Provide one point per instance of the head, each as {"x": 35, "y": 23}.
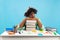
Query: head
{"x": 30, "y": 13}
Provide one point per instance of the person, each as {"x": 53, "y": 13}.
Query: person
{"x": 31, "y": 21}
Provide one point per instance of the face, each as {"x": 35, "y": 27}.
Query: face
{"x": 32, "y": 15}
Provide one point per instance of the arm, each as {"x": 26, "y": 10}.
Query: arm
{"x": 22, "y": 23}
{"x": 39, "y": 23}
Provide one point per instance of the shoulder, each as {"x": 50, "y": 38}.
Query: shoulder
{"x": 37, "y": 19}
{"x": 26, "y": 18}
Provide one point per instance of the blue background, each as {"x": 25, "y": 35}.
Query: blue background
{"x": 12, "y": 12}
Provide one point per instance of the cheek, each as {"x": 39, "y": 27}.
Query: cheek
{"x": 33, "y": 15}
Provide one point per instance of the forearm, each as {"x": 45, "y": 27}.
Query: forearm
{"x": 40, "y": 25}
{"x": 21, "y": 25}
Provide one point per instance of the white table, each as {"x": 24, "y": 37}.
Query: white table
{"x": 5, "y": 36}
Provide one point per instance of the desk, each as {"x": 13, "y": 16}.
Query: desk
{"x": 17, "y": 36}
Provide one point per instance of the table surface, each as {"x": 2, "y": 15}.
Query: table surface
{"x": 30, "y": 33}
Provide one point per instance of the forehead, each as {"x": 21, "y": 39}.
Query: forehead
{"x": 32, "y": 12}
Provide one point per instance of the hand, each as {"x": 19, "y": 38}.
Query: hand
{"x": 19, "y": 28}
{"x": 41, "y": 29}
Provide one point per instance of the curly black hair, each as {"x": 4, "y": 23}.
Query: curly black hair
{"x": 29, "y": 12}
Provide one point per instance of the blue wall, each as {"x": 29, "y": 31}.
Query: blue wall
{"x": 12, "y": 12}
